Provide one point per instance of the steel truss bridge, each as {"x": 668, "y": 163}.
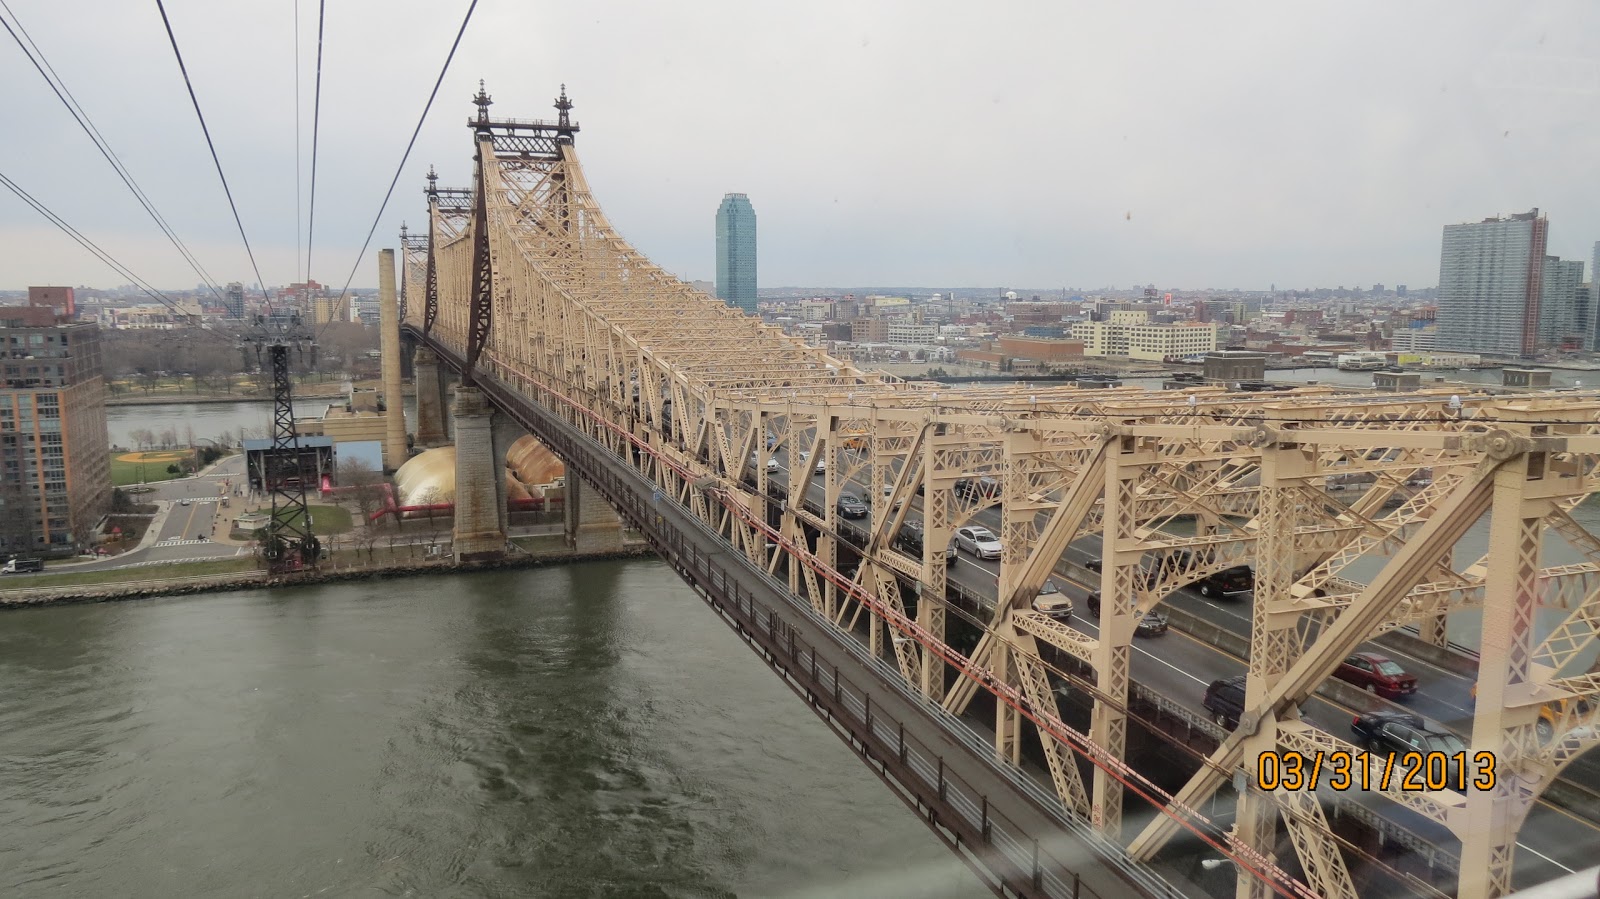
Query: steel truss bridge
{"x": 671, "y": 404}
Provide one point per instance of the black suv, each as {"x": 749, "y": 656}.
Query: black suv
{"x": 977, "y": 488}
{"x": 911, "y": 539}
{"x": 1225, "y": 700}
{"x": 1228, "y": 582}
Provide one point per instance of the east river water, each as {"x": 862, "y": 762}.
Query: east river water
{"x": 585, "y": 730}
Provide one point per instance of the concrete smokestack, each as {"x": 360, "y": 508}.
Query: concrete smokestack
{"x": 394, "y": 441}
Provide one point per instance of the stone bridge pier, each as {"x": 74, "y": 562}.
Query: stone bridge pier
{"x": 592, "y": 525}
{"x": 430, "y": 399}
{"x": 480, "y": 480}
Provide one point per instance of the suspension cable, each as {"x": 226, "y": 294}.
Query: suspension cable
{"x": 59, "y": 87}
{"x": 213, "y": 148}
{"x": 404, "y": 156}
{"x": 145, "y": 286}
{"x": 316, "y": 124}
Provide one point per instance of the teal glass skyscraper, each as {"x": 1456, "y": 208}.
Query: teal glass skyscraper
{"x": 736, "y": 253}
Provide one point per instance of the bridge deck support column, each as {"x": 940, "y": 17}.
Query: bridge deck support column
{"x": 480, "y": 480}
{"x": 430, "y": 399}
{"x": 505, "y": 432}
{"x": 592, "y": 525}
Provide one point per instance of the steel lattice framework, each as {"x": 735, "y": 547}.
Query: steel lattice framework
{"x": 525, "y": 275}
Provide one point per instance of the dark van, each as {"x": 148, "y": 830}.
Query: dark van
{"x": 1225, "y": 701}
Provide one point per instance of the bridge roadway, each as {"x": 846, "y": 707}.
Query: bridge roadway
{"x": 1553, "y": 841}
{"x": 1008, "y": 827}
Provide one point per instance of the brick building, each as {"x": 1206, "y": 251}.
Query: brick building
{"x": 55, "y": 468}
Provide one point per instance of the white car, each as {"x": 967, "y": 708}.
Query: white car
{"x": 981, "y": 542}
{"x": 822, "y": 462}
{"x": 772, "y": 466}
{"x": 888, "y": 490}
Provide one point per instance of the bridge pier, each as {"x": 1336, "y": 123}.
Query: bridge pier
{"x": 480, "y": 480}
{"x": 592, "y": 525}
{"x": 430, "y": 399}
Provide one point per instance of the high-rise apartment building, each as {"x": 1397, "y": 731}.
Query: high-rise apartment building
{"x": 233, "y": 300}
{"x": 55, "y": 469}
{"x": 1491, "y": 277}
{"x": 736, "y": 253}
{"x": 1558, "y": 303}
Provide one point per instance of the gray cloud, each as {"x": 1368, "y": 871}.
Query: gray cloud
{"x": 934, "y": 143}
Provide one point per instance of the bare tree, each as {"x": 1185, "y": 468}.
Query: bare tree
{"x": 365, "y": 483}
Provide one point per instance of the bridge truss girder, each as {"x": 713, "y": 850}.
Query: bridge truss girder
{"x": 688, "y": 389}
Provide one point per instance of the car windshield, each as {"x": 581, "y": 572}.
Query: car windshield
{"x": 981, "y": 534}
{"x": 1049, "y": 587}
{"x": 1390, "y": 668}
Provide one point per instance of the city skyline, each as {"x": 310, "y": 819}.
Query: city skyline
{"x": 1201, "y": 168}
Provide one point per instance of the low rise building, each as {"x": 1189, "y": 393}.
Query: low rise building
{"x": 1130, "y": 335}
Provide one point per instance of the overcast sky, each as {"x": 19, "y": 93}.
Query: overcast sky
{"x": 1035, "y": 144}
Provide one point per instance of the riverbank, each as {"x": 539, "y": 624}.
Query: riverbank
{"x": 36, "y": 597}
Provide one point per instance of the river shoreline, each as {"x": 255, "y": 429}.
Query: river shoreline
{"x": 222, "y": 583}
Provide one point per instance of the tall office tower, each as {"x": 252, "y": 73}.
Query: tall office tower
{"x": 233, "y": 299}
{"x": 55, "y": 470}
{"x": 1594, "y": 299}
{"x": 736, "y": 253}
{"x": 1490, "y": 279}
{"x": 1558, "y": 302}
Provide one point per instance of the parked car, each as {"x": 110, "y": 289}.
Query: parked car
{"x": 1052, "y": 602}
{"x": 981, "y": 542}
{"x": 1224, "y": 699}
{"x": 1377, "y": 674}
{"x": 1151, "y": 624}
{"x": 851, "y": 506}
{"x": 1396, "y": 733}
{"x": 911, "y": 539}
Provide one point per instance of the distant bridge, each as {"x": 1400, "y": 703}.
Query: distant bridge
{"x": 674, "y": 407}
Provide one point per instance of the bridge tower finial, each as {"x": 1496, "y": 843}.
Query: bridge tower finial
{"x": 564, "y": 127}
{"x": 483, "y": 103}
{"x": 433, "y": 182}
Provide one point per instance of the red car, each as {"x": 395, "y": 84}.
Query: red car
{"x": 1377, "y": 674}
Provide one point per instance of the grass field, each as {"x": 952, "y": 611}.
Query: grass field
{"x": 326, "y": 520}
{"x": 132, "y": 468}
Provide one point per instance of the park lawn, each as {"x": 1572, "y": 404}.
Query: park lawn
{"x": 124, "y": 474}
{"x": 327, "y": 520}
{"x": 142, "y": 573}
